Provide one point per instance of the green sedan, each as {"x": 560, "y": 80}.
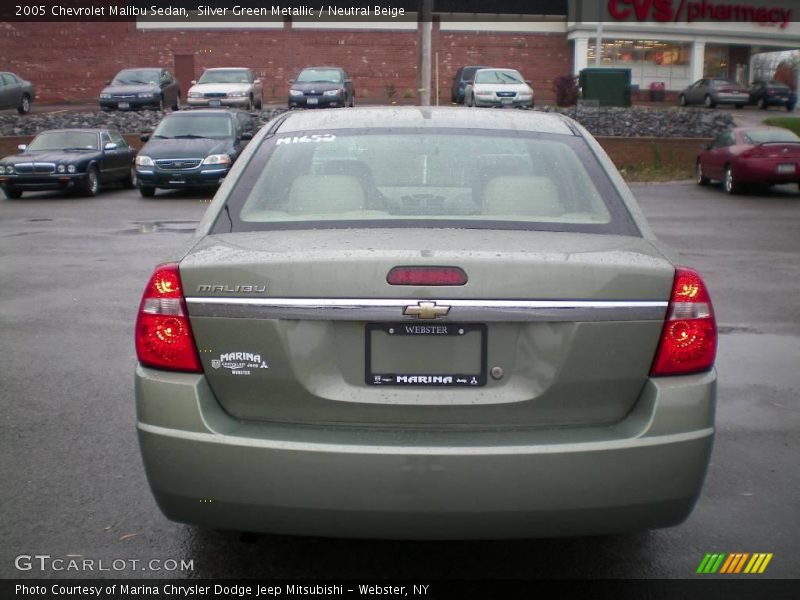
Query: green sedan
{"x": 425, "y": 323}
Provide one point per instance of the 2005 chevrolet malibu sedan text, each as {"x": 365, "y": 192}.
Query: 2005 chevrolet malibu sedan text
{"x": 425, "y": 323}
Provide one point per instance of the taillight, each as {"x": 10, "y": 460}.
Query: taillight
{"x": 689, "y": 339}
{"x": 426, "y": 276}
{"x": 164, "y": 337}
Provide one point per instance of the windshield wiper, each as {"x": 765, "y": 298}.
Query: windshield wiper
{"x": 84, "y": 148}
{"x": 189, "y": 136}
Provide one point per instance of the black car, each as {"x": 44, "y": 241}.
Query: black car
{"x": 133, "y": 89}
{"x": 322, "y": 87}
{"x": 69, "y": 160}
{"x": 772, "y": 93}
{"x": 192, "y": 149}
{"x": 15, "y": 92}
{"x": 463, "y": 75}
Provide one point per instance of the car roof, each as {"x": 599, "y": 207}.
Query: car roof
{"x": 426, "y": 117}
{"x": 228, "y": 69}
{"x": 194, "y": 111}
{"x": 77, "y": 130}
{"x": 322, "y": 67}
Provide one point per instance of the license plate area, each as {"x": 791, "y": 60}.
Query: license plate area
{"x": 312, "y": 101}
{"x": 785, "y": 168}
{"x": 214, "y": 103}
{"x": 426, "y": 354}
{"x": 123, "y": 105}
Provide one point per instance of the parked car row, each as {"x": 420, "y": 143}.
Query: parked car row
{"x": 187, "y": 150}
{"x": 713, "y": 91}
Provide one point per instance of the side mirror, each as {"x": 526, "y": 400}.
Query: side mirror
{"x": 469, "y": 81}
{"x": 292, "y": 80}
{"x": 194, "y": 81}
{"x": 247, "y": 135}
{"x": 528, "y": 81}
{"x": 22, "y": 147}
{"x": 257, "y": 80}
{"x": 144, "y": 137}
{"x": 348, "y": 81}
{"x": 108, "y": 82}
{"x": 110, "y": 146}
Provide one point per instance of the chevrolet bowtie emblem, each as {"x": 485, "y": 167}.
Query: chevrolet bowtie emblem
{"x": 426, "y": 310}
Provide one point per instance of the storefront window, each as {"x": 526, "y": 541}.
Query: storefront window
{"x": 649, "y": 61}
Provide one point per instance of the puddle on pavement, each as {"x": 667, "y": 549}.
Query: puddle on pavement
{"x": 162, "y": 227}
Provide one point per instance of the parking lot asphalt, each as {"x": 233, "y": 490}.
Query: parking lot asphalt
{"x": 73, "y": 270}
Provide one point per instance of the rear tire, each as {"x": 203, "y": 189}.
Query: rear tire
{"x": 24, "y": 105}
{"x": 709, "y": 102}
{"x": 12, "y": 193}
{"x": 762, "y": 104}
{"x": 790, "y": 107}
{"x": 260, "y": 104}
{"x": 147, "y": 191}
{"x": 91, "y": 184}
{"x": 700, "y": 177}
{"x": 729, "y": 182}
{"x": 177, "y": 105}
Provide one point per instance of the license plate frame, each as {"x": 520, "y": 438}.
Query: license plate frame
{"x": 123, "y": 105}
{"x": 786, "y": 169}
{"x": 312, "y": 101}
{"x": 430, "y": 377}
{"x": 215, "y": 102}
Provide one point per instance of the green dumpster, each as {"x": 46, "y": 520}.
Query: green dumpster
{"x": 609, "y": 87}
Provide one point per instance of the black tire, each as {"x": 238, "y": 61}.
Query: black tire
{"x": 762, "y": 104}
{"x": 12, "y": 193}
{"x": 147, "y": 191}
{"x": 129, "y": 181}
{"x": 160, "y": 107}
{"x": 682, "y": 100}
{"x": 353, "y": 101}
{"x": 260, "y": 104}
{"x": 709, "y": 102}
{"x": 249, "y": 106}
{"x": 91, "y": 183}
{"x": 177, "y": 105}
{"x": 24, "y": 105}
{"x": 790, "y": 107}
{"x": 699, "y": 177}
{"x": 729, "y": 181}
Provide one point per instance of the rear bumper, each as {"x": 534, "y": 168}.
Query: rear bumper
{"x": 765, "y": 171}
{"x": 207, "y": 468}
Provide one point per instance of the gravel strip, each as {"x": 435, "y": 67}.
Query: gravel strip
{"x": 605, "y": 121}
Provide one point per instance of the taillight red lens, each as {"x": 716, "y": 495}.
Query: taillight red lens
{"x": 426, "y": 276}
{"x": 164, "y": 337}
{"x": 689, "y": 339}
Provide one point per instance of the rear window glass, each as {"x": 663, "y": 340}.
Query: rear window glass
{"x": 439, "y": 178}
{"x": 761, "y": 136}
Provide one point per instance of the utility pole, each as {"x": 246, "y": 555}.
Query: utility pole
{"x": 425, "y": 20}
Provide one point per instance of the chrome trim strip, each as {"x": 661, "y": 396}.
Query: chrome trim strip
{"x": 480, "y": 311}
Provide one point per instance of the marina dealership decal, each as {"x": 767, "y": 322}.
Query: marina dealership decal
{"x": 688, "y": 11}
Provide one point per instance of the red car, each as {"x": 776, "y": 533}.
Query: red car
{"x": 766, "y": 155}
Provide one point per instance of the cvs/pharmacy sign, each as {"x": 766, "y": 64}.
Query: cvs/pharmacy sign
{"x": 689, "y": 11}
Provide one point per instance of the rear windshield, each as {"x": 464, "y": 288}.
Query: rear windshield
{"x": 760, "y": 136}
{"x": 412, "y": 178}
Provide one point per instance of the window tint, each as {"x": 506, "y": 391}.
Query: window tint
{"x": 760, "y": 136}
{"x": 227, "y": 76}
{"x": 117, "y": 138}
{"x": 136, "y": 77}
{"x": 477, "y": 179}
{"x": 320, "y": 76}
{"x": 195, "y": 125}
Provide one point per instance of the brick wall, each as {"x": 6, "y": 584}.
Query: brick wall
{"x": 72, "y": 61}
